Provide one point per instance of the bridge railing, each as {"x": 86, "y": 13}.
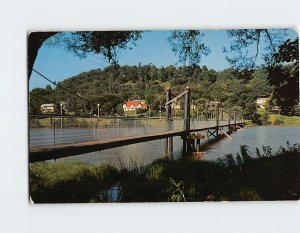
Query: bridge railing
{"x": 50, "y": 130}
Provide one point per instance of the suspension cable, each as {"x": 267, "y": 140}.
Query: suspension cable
{"x": 58, "y": 85}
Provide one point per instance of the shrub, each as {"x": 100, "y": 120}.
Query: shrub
{"x": 59, "y": 182}
{"x": 278, "y": 122}
{"x": 266, "y": 176}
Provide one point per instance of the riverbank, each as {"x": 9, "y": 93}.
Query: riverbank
{"x": 245, "y": 177}
{"x": 267, "y": 118}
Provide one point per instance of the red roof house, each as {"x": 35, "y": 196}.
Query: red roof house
{"x": 133, "y": 105}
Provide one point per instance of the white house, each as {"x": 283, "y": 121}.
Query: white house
{"x": 47, "y": 108}
{"x": 133, "y": 105}
{"x": 261, "y": 102}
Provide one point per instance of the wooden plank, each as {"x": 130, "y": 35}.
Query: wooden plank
{"x": 213, "y": 127}
{"x": 196, "y": 136}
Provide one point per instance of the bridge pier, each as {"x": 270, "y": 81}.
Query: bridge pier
{"x": 217, "y": 118}
{"x": 186, "y": 145}
{"x": 229, "y": 116}
{"x": 197, "y": 141}
{"x": 169, "y": 140}
{"x": 235, "y": 128}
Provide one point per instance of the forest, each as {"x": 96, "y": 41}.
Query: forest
{"x": 112, "y": 86}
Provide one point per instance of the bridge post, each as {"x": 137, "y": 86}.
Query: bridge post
{"x": 234, "y": 120}
{"x": 198, "y": 145}
{"x": 168, "y": 141}
{"x": 229, "y": 116}
{"x": 187, "y": 118}
{"x": 222, "y": 114}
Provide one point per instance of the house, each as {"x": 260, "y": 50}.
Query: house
{"x": 133, "y": 105}
{"x": 261, "y": 102}
{"x": 47, "y": 108}
{"x": 176, "y": 105}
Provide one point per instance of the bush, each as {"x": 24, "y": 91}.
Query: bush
{"x": 244, "y": 177}
{"x": 62, "y": 182}
{"x": 278, "y": 122}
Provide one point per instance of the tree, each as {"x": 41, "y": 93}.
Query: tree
{"x": 188, "y": 46}
{"x": 81, "y": 43}
{"x": 35, "y": 41}
{"x": 260, "y": 84}
{"x": 284, "y": 77}
{"x": 277, "y": 53}
{"x": 246, "y": 46}
{"x": 39, "y": 96}
{"x": 286, "y": 91}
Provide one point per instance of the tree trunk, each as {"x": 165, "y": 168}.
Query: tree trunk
{"x": 35, "y": 41}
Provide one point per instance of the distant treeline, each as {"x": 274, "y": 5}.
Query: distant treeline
{"x": 112, "y": 86}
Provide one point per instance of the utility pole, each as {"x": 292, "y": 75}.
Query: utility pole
{"x": 192, "y": 109}
{"x": 217, "y": 117}
{"x": 160, "y": 110}
{"x": 98, "y": 105}
{"x": 61, "y": 119}
{"x": 229, "y": 120}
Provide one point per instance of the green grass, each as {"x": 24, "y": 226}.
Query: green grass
{"x": 131, "y": 113}
{"x": 263, "y": 176}
{"x": 275, "y": 119}
{"x": 63, "y": 182}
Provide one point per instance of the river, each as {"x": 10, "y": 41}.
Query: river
{"x": 144, "y": 153}
{"x": 255, "y": 137}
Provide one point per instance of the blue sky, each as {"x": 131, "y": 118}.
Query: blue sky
{"x": 58, "y": 64}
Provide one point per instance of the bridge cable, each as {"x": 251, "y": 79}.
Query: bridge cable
{"x": 58, "y": 85}
{"x": 159, "y": 97}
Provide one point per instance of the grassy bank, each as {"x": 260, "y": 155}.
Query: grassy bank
{"x": 269, "y": 118}
{"x": 264, "y": 176}
{"x": 70, "y": 182}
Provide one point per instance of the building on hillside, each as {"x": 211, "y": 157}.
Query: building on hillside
{"x": 261, "y": 102}
{"x": 47, "y": 108}
{"x": 176, "y": 105}
{"x": 133, "y": 105}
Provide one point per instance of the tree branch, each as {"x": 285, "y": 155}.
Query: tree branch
{"x": 270, "y": 39}
{"x": 35, "y": 41}
{"x": 257, "y": 48}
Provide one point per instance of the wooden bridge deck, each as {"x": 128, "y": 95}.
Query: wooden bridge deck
{"x": 48, "y": 152}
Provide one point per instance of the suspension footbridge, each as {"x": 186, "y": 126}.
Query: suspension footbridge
{"x": 101, "y": 133}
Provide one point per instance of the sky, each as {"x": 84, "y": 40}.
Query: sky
{"x": 57, "y": 64}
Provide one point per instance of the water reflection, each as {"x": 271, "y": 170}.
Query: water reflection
{"x": 255, "y": 137}
{"x": 144, "y": 153}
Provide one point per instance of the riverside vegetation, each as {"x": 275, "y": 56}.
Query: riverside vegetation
{"x": 267, "y": 117}
{"x": 241, "y": 177}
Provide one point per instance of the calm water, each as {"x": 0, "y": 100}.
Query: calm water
{"x": 255, "y": 137}
{"x": 144, "y": 153}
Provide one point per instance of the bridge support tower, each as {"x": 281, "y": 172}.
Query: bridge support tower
{"x": 186, "y": 142}
{"x": 168, "y": 141}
